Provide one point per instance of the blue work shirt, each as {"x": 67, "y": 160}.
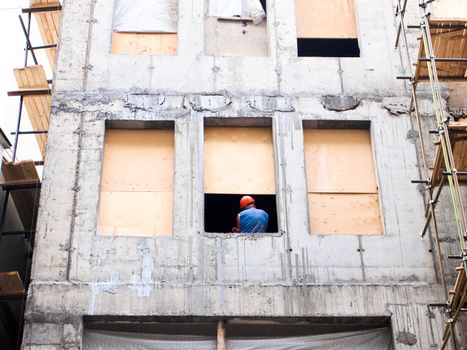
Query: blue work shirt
{"x": 253, "y": 221}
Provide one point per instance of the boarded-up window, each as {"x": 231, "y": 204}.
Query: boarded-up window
{"x": 237, "y": 161}
{"x": 145, "y": 27}
{"x": 236, "y": 28}
{"x": 326, "y": 28}
{"x": 341, "y": 181}
{"x": 137, "y": 183}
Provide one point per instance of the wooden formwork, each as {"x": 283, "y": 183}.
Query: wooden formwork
{"x": 49, "y": 25}
{"x": 37, "y": 106}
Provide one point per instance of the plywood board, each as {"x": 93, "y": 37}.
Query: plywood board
{"x": 26, "y": 200}
{"x": 326, "y": 19}
{"x": 142, "y": 214}
{"x": 449, "y": 39}
{"x": 238, "y": 160}
{"x": 459, "y": 151}
{"x": 449, "y": 9}
{"x": 24, "y": 171}
{"x": 234, "y": 38}
{"x": 144, "y": 43}
{"x": 49, "y": 26}
{"x": 10, "y": 283}
{"x": 37, "y": 106}
{"x": 344, "y": 213}
{"x": 138, "y": 160}
{"x": 137, "y": 183}
{"x": 339, "y": 161}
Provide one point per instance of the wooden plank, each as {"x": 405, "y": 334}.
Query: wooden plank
{"x": 49, "y": 27}
{"x": 38, "y": 107}
{"x": 141, "y": 214}
{"x": 342, "y": 213}
{"x": 239, "y": 160}
{"x": 325, "y": 19}
{"x": 221, "y": 343}
{"x": 339, "y": 161}
{"x": 27, "y": 200}
{"x": 10, "y": 283}
{"x": 24, "y": 170}
{"x": 144, "y": 43}
{"x": 449, "y": 41}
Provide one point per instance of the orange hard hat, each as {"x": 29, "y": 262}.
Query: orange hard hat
{"x": 246, "y": 200}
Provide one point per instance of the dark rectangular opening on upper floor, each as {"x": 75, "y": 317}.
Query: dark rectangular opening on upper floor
{"x": 315, "y": 47}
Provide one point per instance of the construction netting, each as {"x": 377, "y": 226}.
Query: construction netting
{"x": 375, "y": 339}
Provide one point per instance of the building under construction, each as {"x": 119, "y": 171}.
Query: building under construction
{"x": 344, "y": 119}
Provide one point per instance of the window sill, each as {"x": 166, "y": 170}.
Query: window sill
{"x": 233, "y": 235}
{"x": 235, "y": 19}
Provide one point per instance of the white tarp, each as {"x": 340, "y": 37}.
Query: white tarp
{"x": 375, "y": 339}
{"x": 145, "y": 16}
{"x": 235, "y": 8}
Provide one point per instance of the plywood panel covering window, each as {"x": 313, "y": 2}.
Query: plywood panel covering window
{"x": 145, "y": 27}
{"x": 137, "y": 183}
{"x": 238, "y": 160}
{"x": 326, "y": 28}
{"x": 341, "y": 181}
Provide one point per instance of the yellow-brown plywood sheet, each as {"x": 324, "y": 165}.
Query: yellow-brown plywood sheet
{"x": 137, "y": 183}
{"x": 339, "y": 161}
{"x": 49, "y": 26}
{"x": 341, "y": 182}
{"x": 37, "y": 106}
{"x": 449, "y": 39}
{"x": 143, "y": 214}
{"x": 326, "y": 19}
{"x": 238, "y": 160}
{"x": 144, "y": 43}
{"x": 10, "y": 283}
{"x": 344, "y": 213}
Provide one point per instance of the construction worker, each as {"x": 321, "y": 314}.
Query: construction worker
{"x": 251, "y": 219}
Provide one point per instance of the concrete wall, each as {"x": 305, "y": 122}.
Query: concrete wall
{"x": 292, "y": 273}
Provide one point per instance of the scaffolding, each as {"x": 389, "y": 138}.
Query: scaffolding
{"x": 21, "y": 183}
{"x": 442, "y": 57}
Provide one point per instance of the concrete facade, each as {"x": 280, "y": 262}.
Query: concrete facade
{"x": 289, "y": 274}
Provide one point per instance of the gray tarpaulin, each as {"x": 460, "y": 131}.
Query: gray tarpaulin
{"x": 375, "y": 339}
{"x": 145, "y": 16}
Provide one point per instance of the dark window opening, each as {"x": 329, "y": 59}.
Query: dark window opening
{"x": 308, "y": 47}
{"x": 220, "y": 211}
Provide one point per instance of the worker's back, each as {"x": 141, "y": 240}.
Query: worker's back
{"x": 253, "y": 220}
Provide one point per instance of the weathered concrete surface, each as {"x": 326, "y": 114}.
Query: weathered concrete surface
{"x": 290, "y": 273}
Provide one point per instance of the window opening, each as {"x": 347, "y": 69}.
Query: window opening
{"x": 341, "y": 182}
{"x": 326, "y": 28}
{"x": 236, "y": 28}
{"x": 137, "y": 200}
{"x": 238, "y": 161}
{"x": 142, "y": 27}
{"x": 220, "y": 210}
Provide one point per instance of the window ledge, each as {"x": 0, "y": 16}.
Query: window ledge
{"x": 233, "y": 235}
{"x": 235, "y": 19}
